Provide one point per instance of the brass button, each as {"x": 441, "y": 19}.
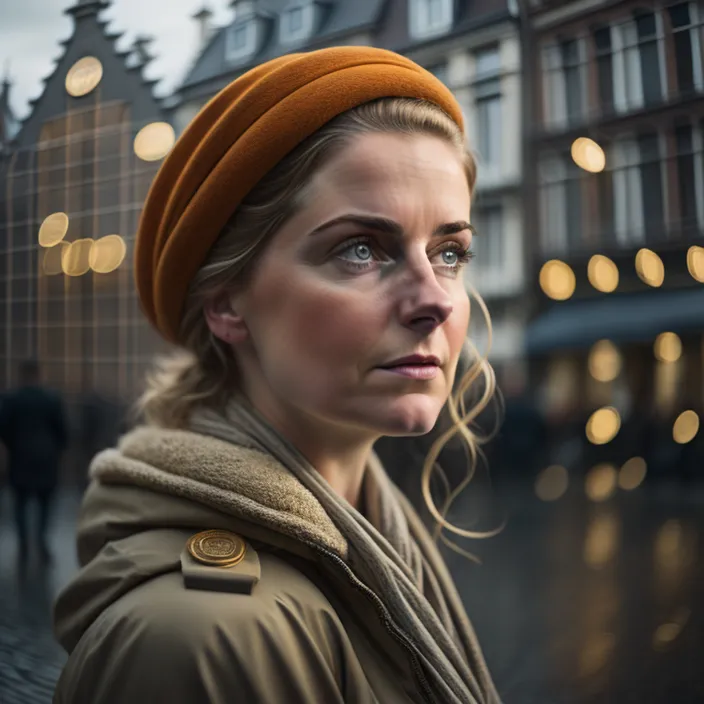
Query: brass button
{"x": 218, "y": 548}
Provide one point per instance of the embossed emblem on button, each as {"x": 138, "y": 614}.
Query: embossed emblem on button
{"x": 218, "y": 548}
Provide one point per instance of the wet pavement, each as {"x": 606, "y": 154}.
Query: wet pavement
{"x": 575, "y": 603}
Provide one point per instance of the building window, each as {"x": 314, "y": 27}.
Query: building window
{"x": 553, "y": 200}
{"x": 605, "y": 68}
{"x": 651, "y": 184}
{"x": 639, "y": 67}
{"x": 688, "y": 58}
{"x": 571, "y": 67}
{"x": 440, "y": 71}
{"x": 488, "y": 98}
{"x": 638, "y": 189}
{"x": 430, "y": 17}
{"x": 686, "y": 176}
{"x": 241, "y": 40}
{"x": 297, "y": 23}
{"x": 564, "y": 83}
{"x": 489, "y": 240}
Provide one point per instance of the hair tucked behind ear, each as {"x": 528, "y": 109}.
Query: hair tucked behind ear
{"x": 204, "y": 373}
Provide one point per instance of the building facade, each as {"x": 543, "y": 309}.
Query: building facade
{"x": 473, "y": 47}
{"x": 616, "y": 141}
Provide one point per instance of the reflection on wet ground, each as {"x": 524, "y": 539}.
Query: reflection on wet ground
{"x": 580, "y": 601}
{"x": 576, "y": 602}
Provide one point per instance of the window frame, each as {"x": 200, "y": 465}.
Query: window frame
{"x": 419, "y": 17}
{"x": 249, "y": 27}
{"x": 307, "y": 14}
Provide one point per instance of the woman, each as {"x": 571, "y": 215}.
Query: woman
{"x": 304, "y": 242}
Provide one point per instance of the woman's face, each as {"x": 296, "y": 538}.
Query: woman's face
{"x": 369, "y": 272}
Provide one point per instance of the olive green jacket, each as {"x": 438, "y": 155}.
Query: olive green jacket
{"x": 145, "y": 622}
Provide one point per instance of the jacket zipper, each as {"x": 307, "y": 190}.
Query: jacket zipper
{"x": 399, "y": 635}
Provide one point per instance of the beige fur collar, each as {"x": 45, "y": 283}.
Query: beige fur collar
{"x": 236, "y": 480}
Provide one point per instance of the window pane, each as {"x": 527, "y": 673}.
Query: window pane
{"x": 650, "y": 69}
{"x": 488, "y": 243}
{"x": 686, "y": 177}
{"x": 489, "y": 129}
{"x": 295, "y": 20}
{"x": 651, "y": 184}
{"x": 646, "y": 25}
{"x": 572, "y": 76}
{"x": 679, "y": 15}
{"x": 602, "y": 39}
{"x": 488, "y": 61}
{"x": 574, "y": 204}
{"x": 684, "y": 60}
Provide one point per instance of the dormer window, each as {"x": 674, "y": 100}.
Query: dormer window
{"x": 429, "y": 18}
{"x": 298, "y": 21}
{"x": 241, "y": 40}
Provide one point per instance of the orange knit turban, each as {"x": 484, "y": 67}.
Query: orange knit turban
{"x": 239, "y": 136}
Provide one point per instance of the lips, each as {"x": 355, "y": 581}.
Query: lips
{"x": 413, "y": 360}
{"x": 415, "y": 366}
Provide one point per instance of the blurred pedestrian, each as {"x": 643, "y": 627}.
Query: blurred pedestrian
{"x": 33, "y": 429}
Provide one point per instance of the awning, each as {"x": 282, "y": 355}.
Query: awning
{"x": 617, "y": 317}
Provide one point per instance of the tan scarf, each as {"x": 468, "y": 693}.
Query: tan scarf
{"x": 267, "y": 481}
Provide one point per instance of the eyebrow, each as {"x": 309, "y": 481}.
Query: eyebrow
{"x": 390, "y": 227}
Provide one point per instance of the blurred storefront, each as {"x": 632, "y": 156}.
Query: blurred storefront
{"x": 617, "y": 143}
{"x": 72, "y": 183}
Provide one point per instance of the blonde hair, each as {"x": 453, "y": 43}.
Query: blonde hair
{"x": 204, "y": 373}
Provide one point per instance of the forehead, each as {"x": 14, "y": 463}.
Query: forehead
{"x": 374, "y": 170}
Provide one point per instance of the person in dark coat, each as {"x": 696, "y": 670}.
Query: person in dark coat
{"x": 33, "y": 429}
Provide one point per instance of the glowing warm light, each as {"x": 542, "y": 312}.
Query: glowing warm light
{"x": 603, "y": 425}
{"x": 650, "y": 268}
{"x": 686, "y": 427}
{"x": 602, "y": 273}
{"x": 600, "y": 482}
{"x": 588, "y": 155}
{"x": 668, "y": 632}
{"x": 596, "y": 653}
{"x": 53, "y": 229}
{"x": 107, "y": 254}
{"x": 695, "y": 262}
{"x": 51, "y": 262}
{"x": 557, "y": 280}
{"x": 604, "y": 361}
{"x": 601, "y": 540}
{"x": 83, "y": 76}
{"x": 551, "y": 483}
{"x": 667, "y": 347}
{"x": 154, "y": 141}
{"x": 75, "y": 260}
{"x": 632, "y": 473}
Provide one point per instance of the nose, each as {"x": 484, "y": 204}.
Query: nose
{"x": 425, "y": 304}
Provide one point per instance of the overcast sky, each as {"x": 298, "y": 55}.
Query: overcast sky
{"x": 30, "y": 31}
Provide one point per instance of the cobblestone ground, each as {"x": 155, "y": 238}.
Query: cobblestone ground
{"x": 575, "y": 603}
{"x": 30, "y": 659}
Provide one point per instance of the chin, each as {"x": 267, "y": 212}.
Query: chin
{"x": 411, "y": 415}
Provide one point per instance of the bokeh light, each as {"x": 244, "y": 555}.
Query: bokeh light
{"x": 588, "y": 155}
{"x": 667, "y": 347}
{"x": 154, "y": 141}
{"x": 601, "y": 539}
{"x": 667, "y": 633}
{"x": 557, "y": 280}
{"x": 604, "y": 361}
{"x": 602, "y": 273}
{"x": 75, "y": 259}
{"x": 632, "y": 473}
{"x": 695, "y": 262}
{"x": 600, "y": 482}
{"x": 107, "y": 254}
{"x": 686, "y": 427}
{"x": 53, "y": 229}
{"x": 603, "y": 425}
{"x": 650, "y": 268}
{"x": 551, "y": 483}
{"x": 84, "y": 76}
{"x": 52, "y": 260}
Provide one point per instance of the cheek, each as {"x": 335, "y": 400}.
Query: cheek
{"x": 458, "y": 325}
{"x": 322, "y": 327}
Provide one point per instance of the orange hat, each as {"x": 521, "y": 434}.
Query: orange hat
{"x": 236, "y": 139}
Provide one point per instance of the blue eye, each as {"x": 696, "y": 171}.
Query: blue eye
{"x": 362, "y": 251}
{"x": 451, "y": 257}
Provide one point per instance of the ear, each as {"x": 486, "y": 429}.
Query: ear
{"x": 224, "y": 321}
